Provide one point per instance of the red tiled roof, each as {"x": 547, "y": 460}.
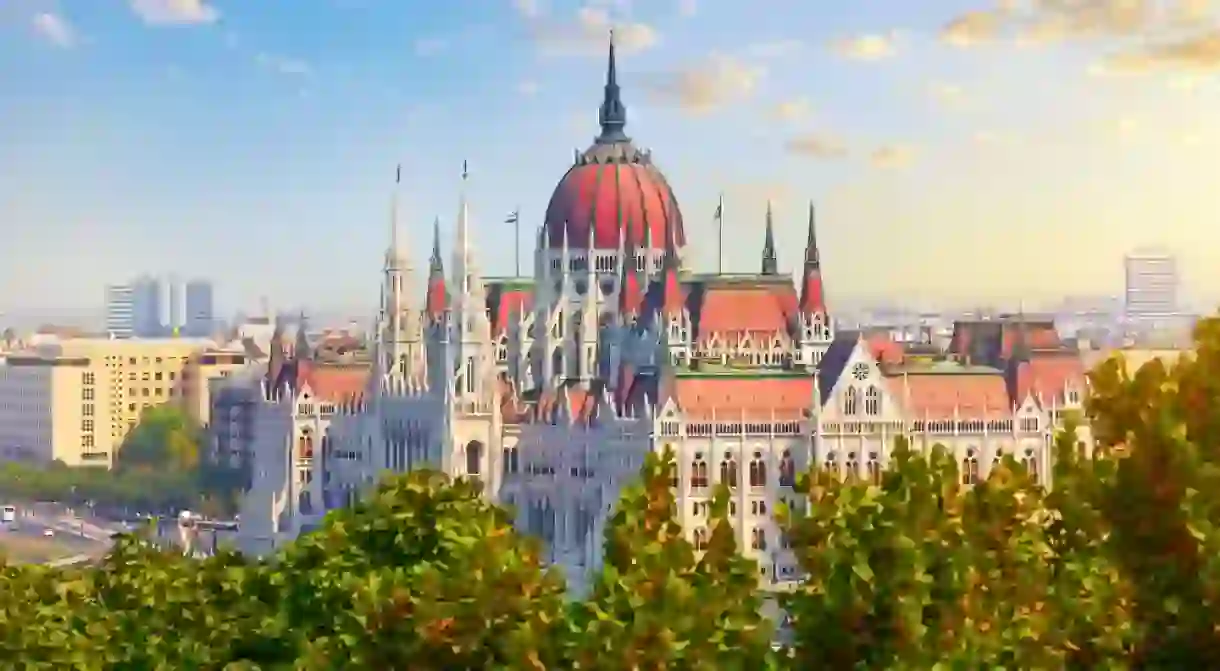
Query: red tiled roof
{"x": 1048, "y": 375}
{"x": 758, "y": 398}
{"x": 334, "y": 383}
{"x": 751, "y": 309}
{"x": 437, "y": 298}
{"x": 612, "y": 199}
{"x": 813, "y": 299}
{"x": 884, "y": 349}
{"x": 1036, "y": 337}
{"x": 938, "y": 395}
{"x": 512, "y": 302}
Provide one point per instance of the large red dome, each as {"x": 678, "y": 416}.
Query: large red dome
{"x": 617, "y": 194}
{"x": 614, "y": 189}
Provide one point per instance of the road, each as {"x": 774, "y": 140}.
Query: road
{"x": 72, "y": 539}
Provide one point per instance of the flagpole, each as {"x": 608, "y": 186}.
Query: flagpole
{"x": 720, "y": 236}
{"x": 517, "y": 239}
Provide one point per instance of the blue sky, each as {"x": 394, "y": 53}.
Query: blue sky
{"x": 958, "y": 150}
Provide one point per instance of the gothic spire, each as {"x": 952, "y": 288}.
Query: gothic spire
{"x": 395, "y": 254}
{"x": 813, "y": 300}
{"x": 672, "y": 300}
{"x": 770, "y": 263}
{"x": 301, "y": 350}
{"x": 613, "y": 113}
{"x": 436, "y": 300}
{"x": 813, "y": 258}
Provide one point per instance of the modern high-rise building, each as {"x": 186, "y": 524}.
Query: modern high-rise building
{"x": 1151, "y": 286}
{"x": 200, "y": 316}
{"x": 120, "y": 311}
{"x": 174, "y": 318}
{"x": 146, "y": 307}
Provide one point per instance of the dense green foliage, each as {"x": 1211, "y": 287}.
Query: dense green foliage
{"x": 158, "y": 470}
{"x": 1116, "y": 566}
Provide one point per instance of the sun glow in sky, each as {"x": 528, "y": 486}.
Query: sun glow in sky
{"x": 958, "y": 150}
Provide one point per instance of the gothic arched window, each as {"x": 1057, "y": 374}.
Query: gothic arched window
{"x": 831, "y": 464}
{"x": 306, "y": 444}
{"x": 758, "y": 471}
{"x": 787, "y": 470}
{"x": 1030, "y": 461}
{"x": 872, "y": 401}
{"x": 728, "y": 472}
{"x": 510, "y": 460}
{"x": 851, "y": 401}
{"x": 474, "y": 457}
{"x": 873, "y": 465}
{"x": 853, "y": 465}
{"x": 698, "y": 473}
{"x": 970, "y": 468}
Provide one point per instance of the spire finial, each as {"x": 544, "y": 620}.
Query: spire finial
{"x": 813, "y": 258}
{"x": 770, "y": 263}
{"x": 437, "y": 265}
{"x": 613, "y": 113}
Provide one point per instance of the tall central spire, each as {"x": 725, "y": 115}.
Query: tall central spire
{"x": 613, "y": 113}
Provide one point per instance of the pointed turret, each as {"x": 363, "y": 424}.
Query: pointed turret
{"x": 813, "y": 301}
{"x": 770, "y": 262}
{"x": 395, "y": 254}
{"x": 301, "y": 351}
{"x": 630, "y": 295}
{"x": 437, "y": 299}
{"x": 672, "y": 301}
{"x": 1020, "y": 351}
{"x": 613, "y": 113}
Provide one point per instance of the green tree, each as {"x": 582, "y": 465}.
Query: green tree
{"x": 424, "y": 574}
{"x": 654, "y": 605}
{"x": 922, "y": 570}
{"x": 166, "y": 439}
{"x": 1160, "y": 498}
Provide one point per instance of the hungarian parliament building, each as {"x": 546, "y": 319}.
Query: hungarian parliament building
{"x": 552, "y": 390}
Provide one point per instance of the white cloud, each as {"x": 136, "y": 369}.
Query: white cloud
{"x": 718, "y": 81}
{"x": 169, "y": 12}
{"x": 948, "y": 94}
{"x": 816, "y": 146}
{"x": 871, "y": 47}
{"x": 892, "y": 156}
{"x": 589, "y": 33}
{"x": 793, "y": 110}
{"x": 55, "y": 29}
{"x": 527, "y": 8}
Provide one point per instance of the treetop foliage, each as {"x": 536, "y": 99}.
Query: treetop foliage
{"x": 1116, "y": 566}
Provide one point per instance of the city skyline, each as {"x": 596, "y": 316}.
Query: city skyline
{"x": 953, "y": 156}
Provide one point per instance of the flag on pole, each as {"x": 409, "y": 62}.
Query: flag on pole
{"x": 513, "y": 217}
{"x": 719, "y": 217}
{"x": 398, "y": 175}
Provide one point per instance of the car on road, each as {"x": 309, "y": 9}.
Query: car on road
{"x": 48, "y": 532}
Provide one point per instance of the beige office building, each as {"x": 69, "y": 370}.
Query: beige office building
{"x": 77, "y": 399}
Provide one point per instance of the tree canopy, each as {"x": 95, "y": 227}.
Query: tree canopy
{"x": 1116, "y": 566}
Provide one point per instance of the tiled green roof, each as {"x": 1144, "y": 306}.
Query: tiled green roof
{"x": 722, "y": 370}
